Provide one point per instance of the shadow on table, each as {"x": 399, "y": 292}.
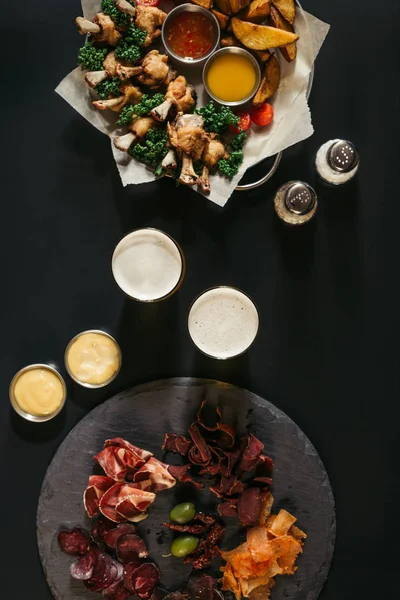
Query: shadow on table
{"x": 232, "y": 370}
{"x": 37, "y": 432}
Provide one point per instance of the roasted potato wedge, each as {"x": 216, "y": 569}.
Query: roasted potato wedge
{"x": 222, "y": 19}
{"x": 287, "y": 8}
{"x": 204, "y": 3}
{"x": 230, "y": 40}
{"x": 231, "y": 7}
{"x": 261, "y": 37}
{"x": 290, "y": 51}
{"x": 256, "y": 12}
{"x": 270, "y": 80}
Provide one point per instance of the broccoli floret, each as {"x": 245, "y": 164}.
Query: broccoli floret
{"x": 230, "y": 166}
{"x": 92, "y": 58}
{"x": 128, "y": 52}
{"x": 109, "y": 88}
{"x": 120, "y": 18}
{"x": 152, "y": 150}
{"x": 217, "y": 118}
{"x": 146, "y": 104}
{"x": 135, "y": 35}
{"x": 238, "y": 141}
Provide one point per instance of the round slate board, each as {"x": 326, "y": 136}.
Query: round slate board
{"x": 142, "y": 415}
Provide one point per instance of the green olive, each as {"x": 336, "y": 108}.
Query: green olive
{"x": 183, "y": 513}
{"x": 184, "y": 545}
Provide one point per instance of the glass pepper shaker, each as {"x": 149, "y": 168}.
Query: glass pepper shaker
{"x": 296, "y": 203}
{"x": 337, "y": 161}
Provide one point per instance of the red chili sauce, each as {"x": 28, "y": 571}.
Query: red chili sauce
{"x": 190, "y": 35}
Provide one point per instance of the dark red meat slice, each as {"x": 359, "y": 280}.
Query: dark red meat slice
{"x": 129, "y": 581}
{"x": 116, "y": 461}
{"x": 181, "y": 473}
{"x": 145, "y": 578}
{"x": 194, "y": 529}
{"x": 208, "y": 417}
{"x": 200, "y": 453}
{"x": 251, "y": 454}
{"x": 104, "y": 573}
{"x": 201, "y": 587}
{"x": 83, "y": 568}
{"x": 109, "y": 502}
{"x": 177, "y": 443}
{"x": 237, "y": 488}
{"x": 131, "y": 548}
{"x": 215, "y": 536}
{"x": 224, "y": 486}
{"x": 97, "y": 486}
{"x": 75, "y": 541}
{"x": 228, "y": 461}
{"x": 264, "y": 470}
{"x": 157, "y": 473}
{"x": 228, "y": 508}
{"x": 249, "y": 506}
{"x": 116, "y": 591}
{"x": 204, "y": 518}
{"x": 112, "y": 536}
{"x": 210, "y": 420}
{"x": 133, "y": 502}
{"x": 212, "y": 469}
{"x": 118, "y": 441}
{"x": 99, "y": 529}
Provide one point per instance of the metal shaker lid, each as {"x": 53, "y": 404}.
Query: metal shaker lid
{"x": 342, "y": 156}
{"x": 300, "y": 198}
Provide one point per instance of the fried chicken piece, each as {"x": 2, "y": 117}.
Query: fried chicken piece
{"x": 130, "y": 95}
{"x": 110, "y": 64}
{"x": 126, "y": 72}
{"x": 187, "y": 135}
{"x": 213, "y": 152}
{"x": 125, "y": 7}
{"x": 150, "y": 19}
{"x": 178, "y": 94}
{"x": 138, "y": 130}
{"x": 102, "y": 29}
{"x": 154, "y": 69}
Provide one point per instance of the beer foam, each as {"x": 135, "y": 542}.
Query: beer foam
{"x": 223, "y": 322}
{"x": 147, "y": 265}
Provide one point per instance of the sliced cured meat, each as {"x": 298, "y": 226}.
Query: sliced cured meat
{"x": 228, "y": 461}
{"x": 104, "y": 573}
{"x": 129, "y": 580}
{"x": 83, "y": 568}
{"x": 177, "y": 443}
{"x": 264, "y": 470}
{"x": 208, "y": 417}
{"x": 112, "y": 536}
{"x": 97, "y": 486}
{"x": 157, "y": 473}
{"x": 74, "y": 541}
{"x": 133, "y": 502}
{"x": 110, "y": 462}
{"x": 109, "y": 501}
{"x": 99, "y": 529}
{"x": 249, "y": 506}
{"x": 215, "y": 536}
{"x": 118, "y": 441}
{"x": 116, "y": 591}
{"x": 193, "y": 529}
{"x": 227, "y": 486}
{"x": 251, "y": 454}
{"x": 131, "y": 549}
{"x": 204, "y": 518}
{"x": 143, "y": 580}
{"x": 200, "y": 453}
{"x": 228, "y": 508}
{"x": 181, "y": 473}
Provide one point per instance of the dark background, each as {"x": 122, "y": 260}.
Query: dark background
{"x": 327, "y": 348}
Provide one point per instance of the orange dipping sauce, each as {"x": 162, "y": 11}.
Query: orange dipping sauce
{"x": 190, "y": 35}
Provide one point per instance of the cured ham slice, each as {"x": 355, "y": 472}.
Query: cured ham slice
{"x": 116, "y": 461}
{"x": 97, "y": 486}
{"x": 154, "y": 476}
{"x": 109, "y": 501}
{"x": 133, "y": 502}
{"x": 121, "y": 443}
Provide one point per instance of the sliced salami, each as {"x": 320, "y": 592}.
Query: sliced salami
{"x": 99, "y": 529}
{"x": 142, "y": 580}
{"x": 76, "y": 541}
{"x": 116, "y": 591}
{"x": 104, "y": 574}
{"x": 83, "y": 568}
{"x": 129, "y": 581}
{"x": 112, "y": 536}
{"x": 131, "y": 548}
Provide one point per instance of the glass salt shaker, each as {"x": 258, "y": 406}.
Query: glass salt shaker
{"x": 296, "y": 203}
{"x": 337, "y": 161}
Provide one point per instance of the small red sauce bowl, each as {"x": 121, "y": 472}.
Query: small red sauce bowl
{"x": 173, "y": 17}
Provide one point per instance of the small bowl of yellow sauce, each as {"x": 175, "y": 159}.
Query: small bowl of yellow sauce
{"x": 38, "y": 392}
{"x": 231, "y": 76}
{"x": 93, "y": 358}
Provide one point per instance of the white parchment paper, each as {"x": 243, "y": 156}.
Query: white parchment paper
{"x": 292, "y": 120}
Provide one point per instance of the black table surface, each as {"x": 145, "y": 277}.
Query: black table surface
{"x": 327, "y": 347}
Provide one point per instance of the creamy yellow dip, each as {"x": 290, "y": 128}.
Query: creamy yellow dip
{"x": 38, "y": 392}
{"x": 231, "y": 77}
{"x": 93, "y": 358}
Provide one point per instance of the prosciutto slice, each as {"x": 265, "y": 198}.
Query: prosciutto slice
{"x": 109, "y": 501}
{"x": 154, "y": 476}
{"x": 121, "y": 443}
{"x": 97, "y": 486}
{"x": 133, "y": 502}
{"x": 116, "y": 461}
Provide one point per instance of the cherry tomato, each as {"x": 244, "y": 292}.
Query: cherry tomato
{"x": 262, "y": 115}
{"x": 147, "y": 2}
{"x": 244, "y": 122}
